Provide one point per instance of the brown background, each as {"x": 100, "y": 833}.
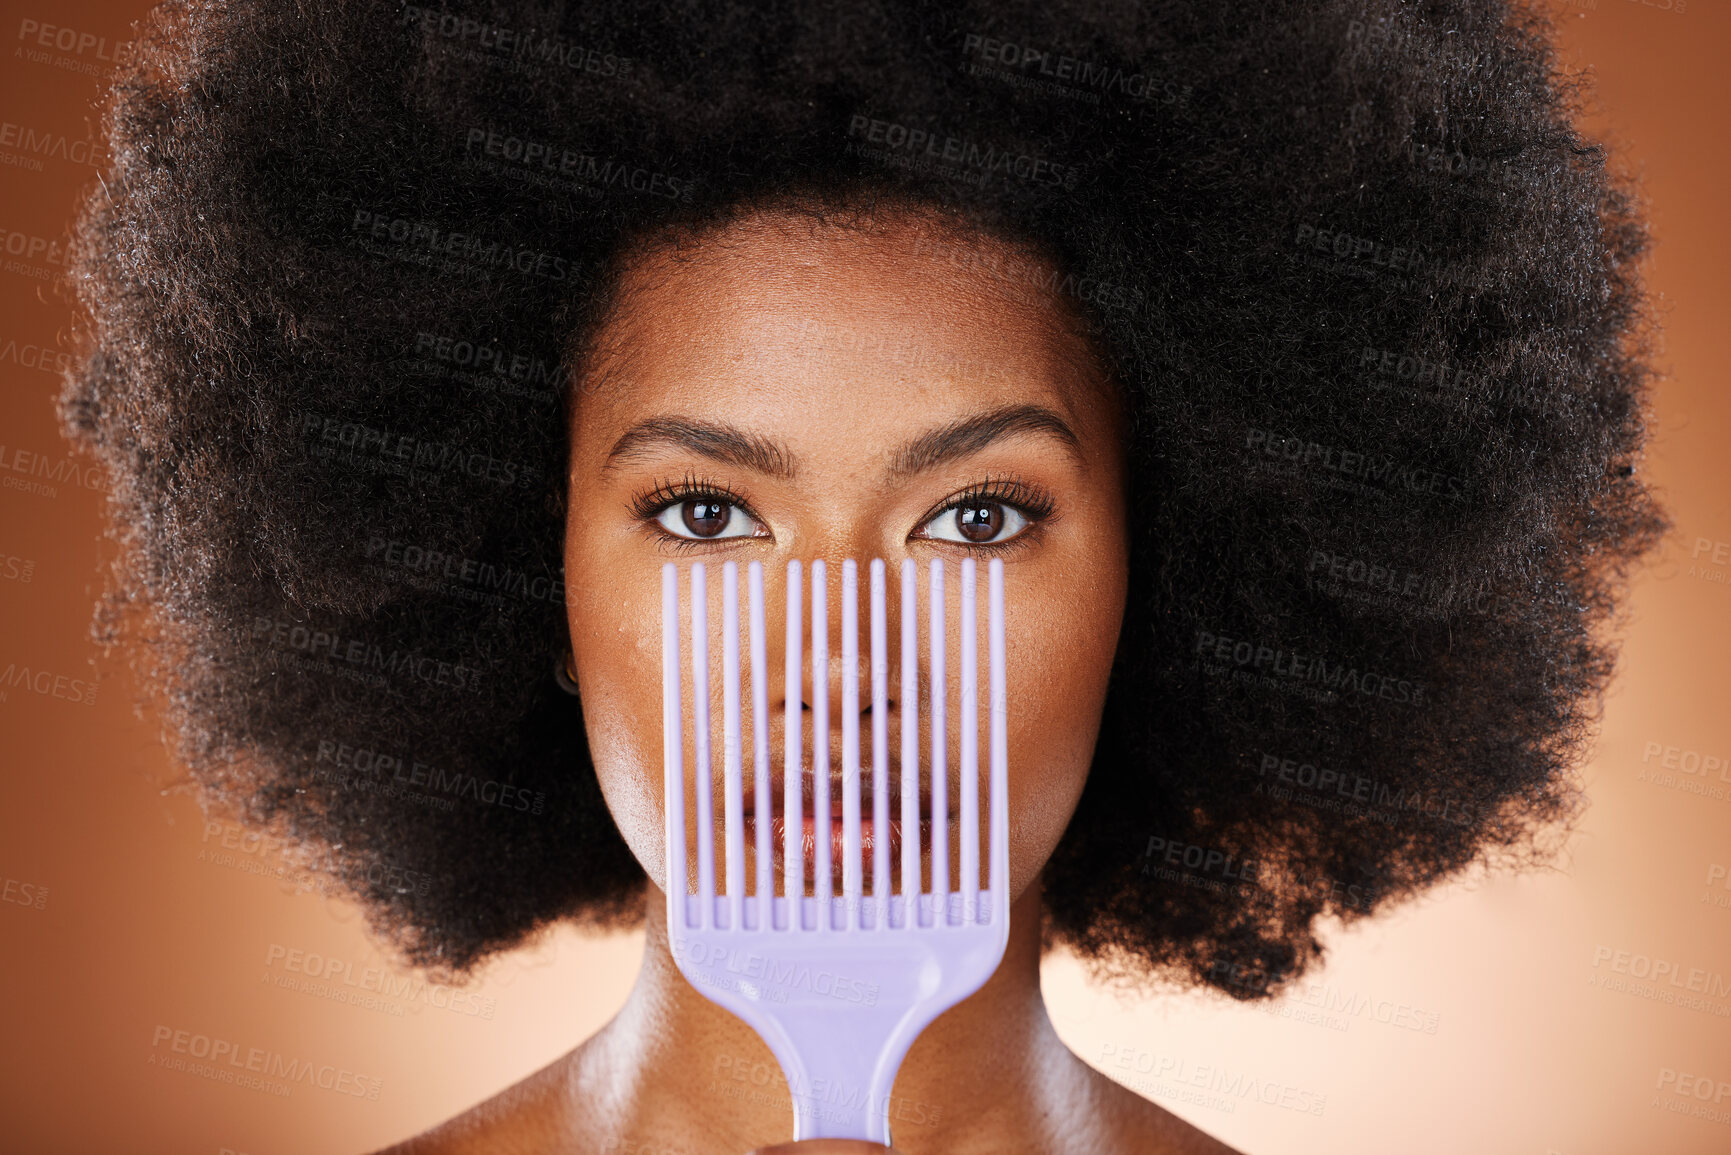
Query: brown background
{"x": 1475, "y": 1020}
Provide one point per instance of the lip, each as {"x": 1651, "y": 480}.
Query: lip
{"x": 810, "y": 828}
{"x": 809, "y": 835}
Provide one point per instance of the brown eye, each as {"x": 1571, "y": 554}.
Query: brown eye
{"x": 979, "y": 523}
{"x": 704, "y": 517}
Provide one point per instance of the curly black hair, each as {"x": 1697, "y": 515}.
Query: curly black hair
{"x": 1373, "y": 298}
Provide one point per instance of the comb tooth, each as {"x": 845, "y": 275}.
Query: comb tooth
{"x": 732, "y": 783}
{"x": 763, "y": 803}
{"x": 940, "y": 751}
{"x": 700, "y": 727}
{"x": 793, "y": 834}
{"x": 851, "y": 862}
{"x": 880, "y": 753}
{"x": 850, "y": 844}
{"x": 823, "y": 880}
{"x": 1000, "y": 747}
{"x": 673, "y": 743}
{"x": 910, "y": 712}
{"x": 969, "y": 769}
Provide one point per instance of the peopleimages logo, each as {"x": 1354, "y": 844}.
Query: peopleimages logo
{"x": 361, "y": 655}
{"x": 1061, "y": 70}
{"x": 230, "y": 1062}
{"x": 411, "y": 773}
{"x": 783, "y": 977}
{"x": 30, "y": 894}
{"x": 1207, "y": 1084}
{"x": 405, "y": 454}
{"x": 934, "y": 148}
{"x": 1691, "y": 1093}
{"x": 1318, "y": 669}
{"x": 339, "y": 980}
{"x": 30, "y": 247}
{"x": 1379, "y": 471}
{"x": 484, "y": 362}
{"x": 518, "y": 45}
{"x": 47, "y": 683}
{"x": 36, "y": 34}
{"x": 574, "y": 164}
{"x": 1325, "y": 780}
{"x": 36, "y": 464}
{"x": 38, "y": 146}
{"x": 429, "y": 237}
{"x": 487, "y": 577}
{"x": 41, "y": 358}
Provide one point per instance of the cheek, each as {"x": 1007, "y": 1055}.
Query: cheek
{"x": 1061, "y": 661}
{"x": 616, "y": 643}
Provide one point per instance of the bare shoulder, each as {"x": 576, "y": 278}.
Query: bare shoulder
{"x": 525, "y": 1118}
{"x": 1140, "y": 1125}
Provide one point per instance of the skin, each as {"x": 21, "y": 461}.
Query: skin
{"x": 839, "y": 344}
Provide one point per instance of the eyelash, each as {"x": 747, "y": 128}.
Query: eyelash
{"x": 1032, "y": 501}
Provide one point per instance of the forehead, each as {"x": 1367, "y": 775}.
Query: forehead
{"x": 808, "y": 324}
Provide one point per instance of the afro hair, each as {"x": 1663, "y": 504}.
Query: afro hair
{"x": 1372, "y": 297}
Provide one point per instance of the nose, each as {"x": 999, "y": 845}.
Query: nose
{"x": 827, "y": 602}
{"x": 837, "y": 608}
{"x": 816, "y": 630}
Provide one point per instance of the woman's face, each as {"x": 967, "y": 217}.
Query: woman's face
{"x": 840, "y": 392}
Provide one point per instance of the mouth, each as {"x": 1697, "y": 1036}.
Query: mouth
{"x": 812, "y": 828}
{"x": 837, "y": 835}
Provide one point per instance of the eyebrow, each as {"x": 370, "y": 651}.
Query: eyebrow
{"x": 731, "y": 445}
{"x": 712, "y": 439}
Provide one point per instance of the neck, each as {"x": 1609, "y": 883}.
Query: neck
{"x": 674, "y": 1070}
